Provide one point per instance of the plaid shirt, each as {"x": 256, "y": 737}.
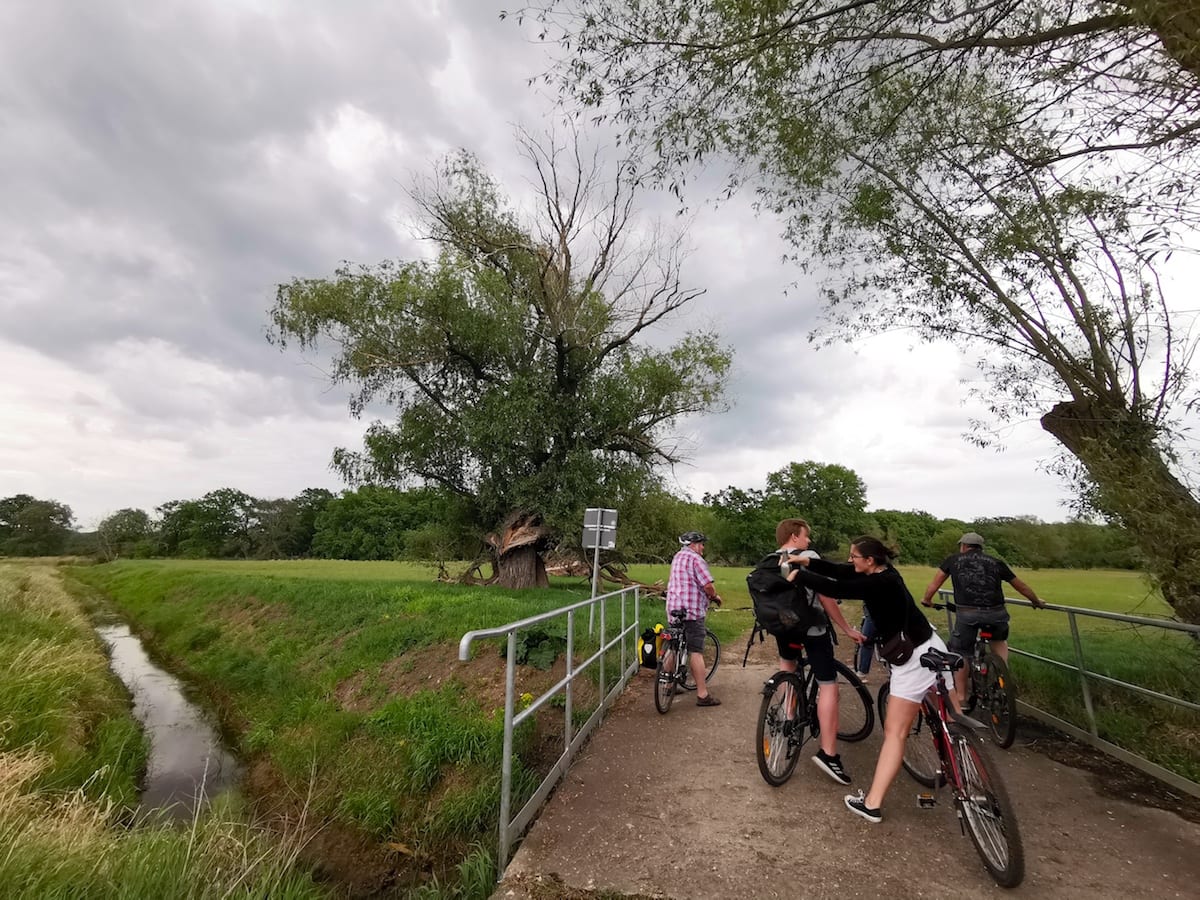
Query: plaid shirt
{"x": 685, "y": 589}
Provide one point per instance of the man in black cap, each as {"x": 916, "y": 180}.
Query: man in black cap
{"x": 979, "y": 595}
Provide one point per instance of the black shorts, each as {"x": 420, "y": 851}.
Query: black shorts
{"x": 694, "y": 631}
{"x": 968, "y": 622}
{"x": 819, "y": 649}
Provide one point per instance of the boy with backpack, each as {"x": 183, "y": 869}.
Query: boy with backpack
{"x": 809, "y": 631}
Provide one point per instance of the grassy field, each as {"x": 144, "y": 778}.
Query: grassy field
{"x": 338, "y": 685}
{"x": 70, "y": 755}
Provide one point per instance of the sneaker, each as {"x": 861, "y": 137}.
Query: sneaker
{"x": 831, "y": 766}
{"x": 857, "y": 804}
{"x": 710, "y": 700}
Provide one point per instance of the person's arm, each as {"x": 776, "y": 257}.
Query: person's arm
{"x": 710, "y": 591}
{"x": 855, "y": 587}
{"x": 824, "y": 566}
{"x": 938, "y": 580}
{"x": 1029, "y": 593}
{"x": 835, "y": 616}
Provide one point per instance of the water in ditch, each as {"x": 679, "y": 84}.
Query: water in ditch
{"x": 187, "y": 763}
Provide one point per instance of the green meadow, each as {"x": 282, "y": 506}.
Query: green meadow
{"x": 338, "y": 685}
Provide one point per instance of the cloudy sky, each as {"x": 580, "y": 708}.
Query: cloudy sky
{"x": 166, "y": 164}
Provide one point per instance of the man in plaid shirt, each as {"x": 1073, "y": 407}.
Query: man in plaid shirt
{"x": 690, "y": 589}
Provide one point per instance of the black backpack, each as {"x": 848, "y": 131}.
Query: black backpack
{"x": 779, "y": 605}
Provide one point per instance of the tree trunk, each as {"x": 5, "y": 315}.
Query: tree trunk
{"x": 518, "y": 551}
{"x": 1177, "y": 24}
{"x": 521, "y": 568}
{"x": 1136, "y": 488}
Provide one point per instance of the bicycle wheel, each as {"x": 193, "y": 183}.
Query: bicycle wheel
{"x": 856, "y": 714}
{"x": 780, "y": 730}
{"x": 712, "y": 658}
{"x": 665, "y": 680}
{"x": 999, "y": 700}
{"x": 986, "y": 809}
{"x": 921, "y": 759}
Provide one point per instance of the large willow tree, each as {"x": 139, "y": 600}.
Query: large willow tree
{"x": 1006, "y": 175}
{"x": 515, "y": 359}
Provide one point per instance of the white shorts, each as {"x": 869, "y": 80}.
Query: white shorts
{"x": 911, "y": 680}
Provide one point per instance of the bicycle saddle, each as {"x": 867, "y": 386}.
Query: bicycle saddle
{"x": 941, "y": 660}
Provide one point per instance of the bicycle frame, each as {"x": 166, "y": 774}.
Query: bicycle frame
{"x": 675, "y": 643}
{"x": 938, "y": 697}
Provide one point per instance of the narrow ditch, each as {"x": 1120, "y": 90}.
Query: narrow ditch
{"x": 187, "y": 763}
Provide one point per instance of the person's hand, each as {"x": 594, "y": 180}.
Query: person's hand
{"x": 714, "y": 601}
{"x": 927, "y": 601}
{"x": 1038, "y": 603}
{"x": 857, "y": 636}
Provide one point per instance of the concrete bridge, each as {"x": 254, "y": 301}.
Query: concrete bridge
{"x": 674, "y": 806}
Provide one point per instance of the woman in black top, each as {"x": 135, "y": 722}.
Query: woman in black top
{"x": 870, "y": 577}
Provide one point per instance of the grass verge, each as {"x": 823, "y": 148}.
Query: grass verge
{"x": 70, "y": 754}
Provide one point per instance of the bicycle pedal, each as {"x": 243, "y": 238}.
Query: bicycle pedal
{"x": 926, "y": 801}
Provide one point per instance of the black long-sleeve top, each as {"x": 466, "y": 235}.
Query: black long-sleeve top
{"x": 885, "y": 595}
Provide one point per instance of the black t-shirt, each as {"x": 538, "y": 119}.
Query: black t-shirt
{"x": 884, "y": 594}
{"x": 978, "y": 579}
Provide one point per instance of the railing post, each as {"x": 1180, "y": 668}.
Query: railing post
{"x": 506, "y": 762}
{"x": 1083, "y": 683}
{"x": 569, "y": 690}
{"x": 945, "y": 596}
{"x": 623, "y": 640}
{"x": 603, "y": 651}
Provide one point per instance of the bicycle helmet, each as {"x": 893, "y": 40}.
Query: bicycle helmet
{"x": 692, "y": 537}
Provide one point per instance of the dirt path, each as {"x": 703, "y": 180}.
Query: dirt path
{"x": 674, "y": 806}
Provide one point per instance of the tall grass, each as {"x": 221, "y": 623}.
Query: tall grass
{"x": 69, "y": 758}
{"x": 405, "y": 764}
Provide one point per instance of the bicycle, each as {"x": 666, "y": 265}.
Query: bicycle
{"x": 673, "y": 671}
{"x": 785, "y": 724}
{"x": 943, "y": 748}
{"x": 991, "y": 686}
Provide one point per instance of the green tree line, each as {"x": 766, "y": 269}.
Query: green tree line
{"x": 375, "y": 522}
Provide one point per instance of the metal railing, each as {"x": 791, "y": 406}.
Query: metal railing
{"x": 1092, "y": 734}
{"x": 511, "y": 829}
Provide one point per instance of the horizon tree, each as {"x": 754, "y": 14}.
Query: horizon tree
{"x": 33, "y": 527}
{"x": 516, "y": 359}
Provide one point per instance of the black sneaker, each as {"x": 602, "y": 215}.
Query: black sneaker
{"x": 831, "y": 766}
{"x": 857, "y": 804}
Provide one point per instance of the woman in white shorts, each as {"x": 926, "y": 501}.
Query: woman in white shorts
{"x": 870, "y": 577}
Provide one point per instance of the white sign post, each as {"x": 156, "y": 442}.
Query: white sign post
{"x": 599, "y": 531}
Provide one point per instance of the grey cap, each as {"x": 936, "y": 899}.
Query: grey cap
{"x": 973, "y": 538}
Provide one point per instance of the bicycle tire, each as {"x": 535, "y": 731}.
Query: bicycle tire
{"x": 999, "y": 701}
{"x": 778, "y": 737}
{"x": 987, "y": 813}
{"x": 712, "y": 657}
{"x": 921, "y": 758}
{"x": 665, "y": 680}
{"x": 856, "y": 712}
